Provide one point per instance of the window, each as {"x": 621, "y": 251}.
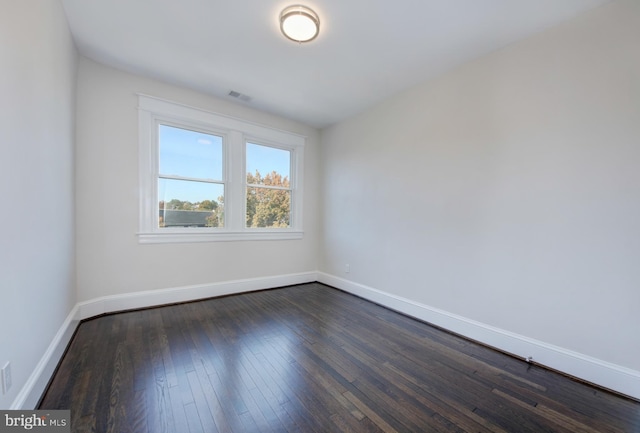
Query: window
{"x": 207, "y": 177}
{"x": 268, "y": 192}
{"x": 190, "y": 178}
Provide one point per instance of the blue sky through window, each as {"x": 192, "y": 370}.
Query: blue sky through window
{"x": 190, "y": 153}
{"x": 267, "y": 159}
{"x": 193, "y": 154}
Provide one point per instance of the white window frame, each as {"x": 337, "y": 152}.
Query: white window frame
{"x": 236, "y": 133}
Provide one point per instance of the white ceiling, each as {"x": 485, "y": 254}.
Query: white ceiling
{"x": 367, "y": 50}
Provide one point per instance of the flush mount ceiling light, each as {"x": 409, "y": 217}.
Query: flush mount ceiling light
{"x": 299, "y": 23}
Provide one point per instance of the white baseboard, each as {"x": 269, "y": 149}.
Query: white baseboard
{"x": 617, "y": 378}
{"x": 31, "y": 392}
{"x": 150, "y": 298}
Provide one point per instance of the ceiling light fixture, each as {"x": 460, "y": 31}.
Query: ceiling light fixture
{"x": 299, "y": 23}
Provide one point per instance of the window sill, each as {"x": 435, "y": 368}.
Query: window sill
{"x": 186, "y": 237}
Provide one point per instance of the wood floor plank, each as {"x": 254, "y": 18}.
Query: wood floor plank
{"x": 160, "y": 417}
{"x": 553, "y": 416}
{"x": 179, "y": 415}
{"x": 369, "y": 413}
{"x": 203, "y": 408}
{"x": 309, "y": 358}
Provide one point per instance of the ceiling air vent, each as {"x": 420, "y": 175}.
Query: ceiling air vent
{"x": 240, "y": 96}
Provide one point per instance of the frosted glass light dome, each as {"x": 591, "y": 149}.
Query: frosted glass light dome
{"x": 299, "y": 23}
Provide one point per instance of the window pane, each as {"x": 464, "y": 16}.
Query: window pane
{"x": 268, "y": 165}
{"x": 183, "y": 203}
{"x": 189, "y": 153}
{"x": 268, "y": 207}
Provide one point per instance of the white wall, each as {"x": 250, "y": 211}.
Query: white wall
{"x": 37, "y": 271}
{"x": 110, "y": 259}
{"x": 507, "y": 191}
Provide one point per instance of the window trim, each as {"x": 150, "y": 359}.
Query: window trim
{"x": 236, "y": 133}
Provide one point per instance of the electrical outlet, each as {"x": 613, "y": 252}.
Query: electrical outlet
{"x": 347, "y": 268}
{"x": 6, "y": 378}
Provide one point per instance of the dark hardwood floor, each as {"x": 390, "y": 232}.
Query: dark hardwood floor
{"x": 309, "y": 358}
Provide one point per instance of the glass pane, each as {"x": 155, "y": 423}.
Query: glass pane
{"x": 268, "y": 207}
{"x": 183, "y": 203}
{"x": 268, "y": 165}
{"x": 189, "y": 153}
